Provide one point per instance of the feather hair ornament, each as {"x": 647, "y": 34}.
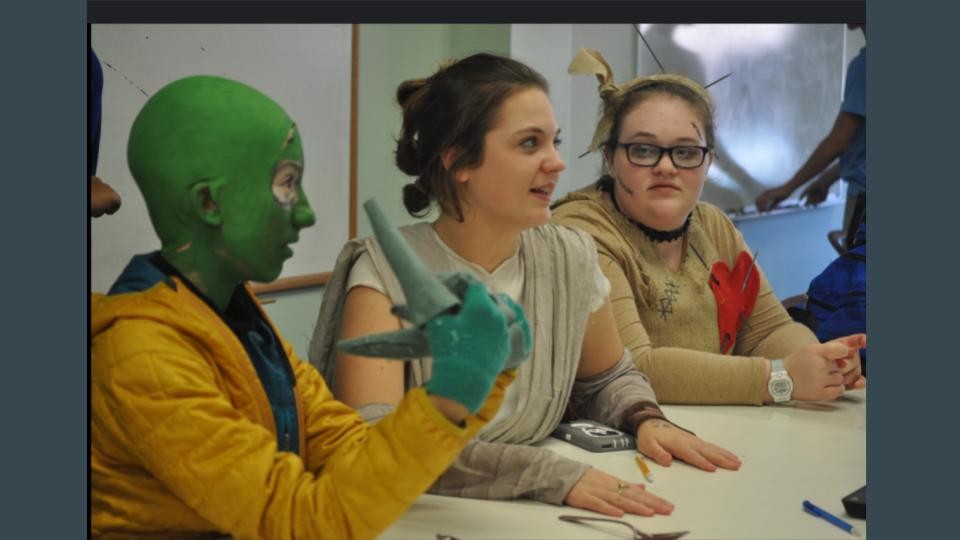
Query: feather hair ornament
{"x": 591, "y": 62}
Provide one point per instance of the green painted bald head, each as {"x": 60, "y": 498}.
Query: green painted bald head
{"x": 219, "y": 165}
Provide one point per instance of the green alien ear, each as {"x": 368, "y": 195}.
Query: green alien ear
{"x": 202, "y": 151}
{"x": 203, "y": 203}
{"x": 198, "y": 129}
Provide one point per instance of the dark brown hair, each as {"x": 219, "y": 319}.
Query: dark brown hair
{"x": 452, "y": 109}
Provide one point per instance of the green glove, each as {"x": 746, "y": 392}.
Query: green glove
{"x": 469, "y": 349}
{"x": 521, "y": 341}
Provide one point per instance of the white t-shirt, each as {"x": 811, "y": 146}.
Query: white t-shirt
{"x": 507, "y": 278}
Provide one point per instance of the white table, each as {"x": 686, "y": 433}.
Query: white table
{"x": 792, "y": 452}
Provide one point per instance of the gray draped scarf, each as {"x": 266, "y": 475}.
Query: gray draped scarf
{"x": 557, "y": 261}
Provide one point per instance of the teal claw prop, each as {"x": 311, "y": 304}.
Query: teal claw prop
{"x": 428, "y": 295}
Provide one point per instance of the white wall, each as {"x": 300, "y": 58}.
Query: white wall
{"x": 617, "y": 42}
{"x": 544, "y": 47}
{"x": 548, "y": 48}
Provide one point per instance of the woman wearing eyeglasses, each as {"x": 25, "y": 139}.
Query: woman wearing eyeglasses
{"x": 698, "y": 315}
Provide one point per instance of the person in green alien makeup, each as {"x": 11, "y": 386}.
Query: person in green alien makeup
{"x": 245, "y": 201}
{"x": 203, "y": 419}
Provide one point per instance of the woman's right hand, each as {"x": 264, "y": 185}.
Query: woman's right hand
{"x": 607, "y": 494}
{"x": 823, "y": 371}
{"x": 850, "y": 366}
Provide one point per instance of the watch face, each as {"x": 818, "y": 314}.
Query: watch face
{"x": 780, "y": 387}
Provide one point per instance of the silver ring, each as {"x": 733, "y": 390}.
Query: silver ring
{"x": 621, "y": 487}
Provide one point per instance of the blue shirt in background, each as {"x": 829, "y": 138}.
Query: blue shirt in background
{"x": 854, "y": 159}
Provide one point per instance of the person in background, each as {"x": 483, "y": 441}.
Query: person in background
{"x": 847, "y": 140}
{"x": 203, "y": 420}
{"x": 689, "y": 300}
{"x": 103, "y": 199}
{"x": 480, "y": 137}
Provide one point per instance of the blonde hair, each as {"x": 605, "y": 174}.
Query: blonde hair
{"x": 618, "y": 100}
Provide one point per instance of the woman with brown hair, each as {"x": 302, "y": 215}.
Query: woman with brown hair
{"x": 480, "y": 137}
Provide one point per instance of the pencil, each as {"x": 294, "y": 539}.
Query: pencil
{"x": 643, "y": 468}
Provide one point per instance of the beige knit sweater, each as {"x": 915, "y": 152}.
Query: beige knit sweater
{"x": 668, "y": 319}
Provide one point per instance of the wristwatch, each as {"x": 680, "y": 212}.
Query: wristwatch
{"x": 780, "y": 385}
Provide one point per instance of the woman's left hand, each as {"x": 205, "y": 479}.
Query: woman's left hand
{"x": 661, "y": 441}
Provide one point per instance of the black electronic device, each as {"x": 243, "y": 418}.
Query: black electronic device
{"x": 594, "y": 436}
{"x": 856, "y": 503}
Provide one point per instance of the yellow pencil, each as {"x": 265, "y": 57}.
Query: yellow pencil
{"x": 643, "y": 468}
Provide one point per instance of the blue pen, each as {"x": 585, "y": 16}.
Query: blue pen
{"x": 821, "y": 513}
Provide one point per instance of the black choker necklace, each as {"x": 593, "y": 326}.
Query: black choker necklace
{"x": 654, "y": 235}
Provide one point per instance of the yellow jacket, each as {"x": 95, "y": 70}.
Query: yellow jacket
{"x": 183, "y": 440}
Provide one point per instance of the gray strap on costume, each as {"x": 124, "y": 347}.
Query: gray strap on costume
{"x": 605, "y": 396}
{"x": 487, "y": 470}
{"x": 323, "y": 344}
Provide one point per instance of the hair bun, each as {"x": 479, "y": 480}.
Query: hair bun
{"x": 407, "y": 156}
{"x": 410, "y": 95}
{"x": 415, "y": 199}
{"x": 408, "y": 89}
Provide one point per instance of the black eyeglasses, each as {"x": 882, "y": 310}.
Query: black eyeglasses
{"x": 648, "y": 155}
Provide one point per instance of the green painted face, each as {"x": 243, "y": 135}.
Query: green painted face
{"x": 263, "y": 214}
{"x": 220, "y": 167}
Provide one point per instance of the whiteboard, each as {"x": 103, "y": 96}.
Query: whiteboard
{"x": 779, "y": 103}
{"x": 304, "y": 68}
